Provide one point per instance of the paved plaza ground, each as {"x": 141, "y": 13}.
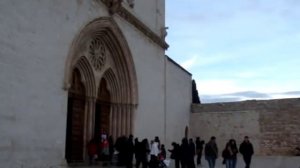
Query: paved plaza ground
{"x": 263, "y": 162}
{"x": 257, "y": 162}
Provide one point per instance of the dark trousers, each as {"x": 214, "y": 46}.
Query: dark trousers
{"x": 211, "y": 161}
{"x": 191, "y": 163}
{"x": 153, "y": 161}
{"x": 138, "y": 161}
{"x": 247, "y": 160}
{"x": 177, "y": 162}
{"x": 199, "y": 155}
{"x": 141, "y": 160}
{"x": 183, "y": 163}
{"x": 129, "y": 161}
{"x": 145, "y": 162}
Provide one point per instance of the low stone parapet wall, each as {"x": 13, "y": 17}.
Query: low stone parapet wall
{"x": 272, "y": 125}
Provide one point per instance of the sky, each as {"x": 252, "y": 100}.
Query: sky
{"x": 237, "y": 49}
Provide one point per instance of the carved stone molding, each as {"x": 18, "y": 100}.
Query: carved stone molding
{"x": 97, "y": 53}
{"x": 129, "y": 17}
{"x": 131, "y": 3}
{"x": 114, "y": 5}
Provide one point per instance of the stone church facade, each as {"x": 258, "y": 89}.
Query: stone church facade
{"x": 71, "y": 69}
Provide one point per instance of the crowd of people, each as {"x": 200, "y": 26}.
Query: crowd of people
{"x": 146, "y": 154}
{"x": 153, "y": 154}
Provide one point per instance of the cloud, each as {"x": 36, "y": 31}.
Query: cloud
{"x": 189, "y": 63}
{"x": 208, "y": 99}
{"x": 215, "y": 86}
{"x": 292, "y": 94}
{"x": 247, "y": 95}
{"x": 199, "y": 60}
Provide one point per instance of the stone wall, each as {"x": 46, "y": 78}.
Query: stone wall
{"x": 272, "y": 125}
{"x": 178, "y": 101}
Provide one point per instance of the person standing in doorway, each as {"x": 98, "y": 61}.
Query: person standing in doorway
{"x": 199, "y": 149}
{"x": 211, "y": 152}
{"x": 246, "y": 149}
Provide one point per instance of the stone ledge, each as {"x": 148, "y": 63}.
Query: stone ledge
{"x": 129, "y": 17}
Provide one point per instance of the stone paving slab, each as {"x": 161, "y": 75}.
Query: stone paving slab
{"x": 261, "y": 162}
{"x": 257, "y": 162}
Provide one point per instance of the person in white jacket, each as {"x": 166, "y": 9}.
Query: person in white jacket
{"x": 154, "y": 151}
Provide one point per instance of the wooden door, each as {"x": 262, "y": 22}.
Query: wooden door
{"x": 102, "y": 115}
{"x": 75, "y": 120}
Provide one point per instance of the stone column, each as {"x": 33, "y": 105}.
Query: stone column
{"x": 110, "y": 121}
{"x": 114, "y": 121}
{"x": 132, "y": 117}
{"x": 89, "y": 122}
{"x": 128, "y": 120}
{"x": 119, "y": 121}
{"x": 123, "y": 124}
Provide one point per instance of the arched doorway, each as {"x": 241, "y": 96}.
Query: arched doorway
{"x": 102, "y": 56}
{"x": 75, "y": 122}
{"x": 102, "y": 112}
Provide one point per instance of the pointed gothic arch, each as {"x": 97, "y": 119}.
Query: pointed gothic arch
{"x": 100, "y": 53}
{"x": 106, "y": 30}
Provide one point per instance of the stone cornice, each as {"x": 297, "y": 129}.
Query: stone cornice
{"x": 129, "y": 17}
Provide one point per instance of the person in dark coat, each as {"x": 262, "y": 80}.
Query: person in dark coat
{"x": 138, "y": 152}
{"x": 121, "y": 147}
{"x": 230, "y": 154}
{"x": 175, "y": 154}
{"x": 145, "y": 150}
{"x": 129, "y": 151}
{"x": 111, "y": 148}
{"x": 199, "y": 149}
{"x": 246, "y": 149}
{"x": 184, "y": 153}
{"x": 211, "y": 152}
{"x": 192, "y": 153}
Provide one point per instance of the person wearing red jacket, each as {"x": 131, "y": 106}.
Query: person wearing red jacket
{"x": 92, "y": 151}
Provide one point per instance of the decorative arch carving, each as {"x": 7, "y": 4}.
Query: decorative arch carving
{"x": 107, "y": 34}
{"x": 97, "y": 53}
{"x": 100, "y": 51}
{"x": 88, "y": 76}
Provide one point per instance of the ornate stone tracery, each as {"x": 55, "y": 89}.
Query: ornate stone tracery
{"x": 98, "y": 53}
